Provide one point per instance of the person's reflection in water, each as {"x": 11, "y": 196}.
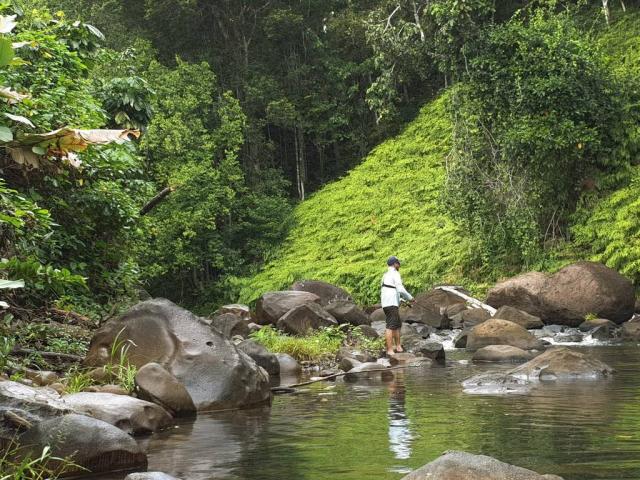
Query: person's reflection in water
{"x": 400, "y": 436}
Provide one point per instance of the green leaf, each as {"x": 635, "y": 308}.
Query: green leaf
{"x": 6, "y": 135}
{"x": 11, "y": 283}
{"x": 38, "y": 150}
{"x": 6, "y": 52}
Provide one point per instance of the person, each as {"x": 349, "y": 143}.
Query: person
{"x": 392, "y": 291}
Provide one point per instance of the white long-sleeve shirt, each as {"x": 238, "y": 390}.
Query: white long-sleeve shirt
{"x": 390, "y": 297}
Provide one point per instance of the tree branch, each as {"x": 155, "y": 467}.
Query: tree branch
{"x": 156, "y": 200}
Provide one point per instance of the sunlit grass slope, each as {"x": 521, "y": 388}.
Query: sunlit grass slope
{"x": 388, "y": 205}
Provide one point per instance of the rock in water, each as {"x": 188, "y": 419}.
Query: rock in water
{"x": 155, "y": 384}
{"x": 472, "y": 317}
{"x": 303, "y": 318}
{"x": 455, "y": 465}
{"x": 562, "y": 363}
{"x": 347, "y": 312}
{"x": 588, "y": 325}
{"x": 501, "y": 332}
{"x": 521, "y": 292}
{"x": 288, "y": 364}
{"x": 325, "y": 291}
{"x": 587, "y": 287}
{"x": 514, "y": 315}
{"x": 501, "y": 353}
{"x": 273, "y": 305}
{"x": 149, "y": 476}
{"x": 129, "y": 414}
{"x": 631, "y": 329}
{"x": 91, "y": 443}
{"x": 261, "y": 356}
{"x": 496, "y": 384}
{"x": 214, "y": 372}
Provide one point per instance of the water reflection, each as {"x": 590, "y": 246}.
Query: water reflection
{"x": 400, "y": 436}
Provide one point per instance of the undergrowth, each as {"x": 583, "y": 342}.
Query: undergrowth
{"x": 15, "y": 466}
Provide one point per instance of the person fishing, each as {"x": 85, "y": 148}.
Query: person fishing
{"x": 392, "y": 291}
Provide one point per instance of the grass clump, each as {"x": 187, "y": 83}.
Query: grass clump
{"x": 319, "y": 345}
{"x": 16, "y": 466}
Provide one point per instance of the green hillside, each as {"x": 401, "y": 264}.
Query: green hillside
{"x": 390, "y": 204}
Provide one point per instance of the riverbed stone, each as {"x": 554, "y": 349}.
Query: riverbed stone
{"x": 474, "y": 316}
{"x": 523, "y": 319}
{"x": 594, "y": 323}
{"x": 288, "y": 364}
{"x": 230, "y": 325}
{"x": 631, "y": 330}
{"x": 359, "y": 373}
{"x": 261, "y": 356}
{"x": 521, "y": 292}
{"x": 305, "y": 318}
{"x": 587, "y": 287}
{"x": 455, "y": 465}
{"x": 271, "y": 306}
{"x": 94, "y": 444}
{"x": 215, "y": 373}
{"x": 131, "y": 415}
{"x": 112, "y": 389}
{"x": 568, "y": 337}
{"x": 149, "y": 476}
{"x": 501, "y": 353}
{"x": 345, "y": 311}
{"x": 501, "y": 332}
{"x": 460, "y": 340}
{"x": 155, "y": 384}
{"x": 325, "y": 291}
{"x": 561, "y": 363}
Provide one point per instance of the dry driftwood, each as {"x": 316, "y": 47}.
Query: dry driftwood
{"x": 474, "y": 302}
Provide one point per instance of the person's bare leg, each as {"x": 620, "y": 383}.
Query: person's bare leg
{"x": 388, "y": 336}
{"x": 396, "y": 337}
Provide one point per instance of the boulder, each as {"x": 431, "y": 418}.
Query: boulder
{"x": 589, "y": 325}
{"x": 377, "y": 316}
{"x": 496, "y": 384}
{"x": 93, "y": 444}
{"x": 347, "y": 363}
{"x": 367, "y": 331}
{"x": 587, "y": 287}
{"x": 514, "y": 315}
{"x": 230, "y": 325}
{"x": 288, "y": 364}
{"x": 359, "y": 355}
{"x": 431, "y": 308}
{"x": 356, "y": 373}
{"x": 239, "y": 310}
{"x": 325, "y": 291}
{"x": 347, "y": 312}
{"x": 637, "y": 307}
{"x": 454, "y": 465}
{"x": 568, "y": 337}
{"x": 602, "y": 333}
{"x": 562, "y": 363}
{"x": 631, "y": 330}
{"x": 521, "y": 292}
{"x": 432, "y": 350}
{"x": 455, "y": 309}
{"x": 379, "y": 327}
{"x": 474, "y": 316}
{"x": 501, "y": 353}
{"x": 261, "y": 356}
{"x": 112, "y": 388}
{"x": 216, "y": 375}
{"x": 501, "y": 332}
{"x": 460, "y": 340}
{"x": 155, "y": 384}
{"x": 304, "y": 318}
{"x": 273, "y": 305}
{"x": 149, "y": 476}
{"x": 129, "y": 414}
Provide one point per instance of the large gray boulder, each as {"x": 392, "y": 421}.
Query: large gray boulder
{"x": 501, "y": 353}
{"x": 562, "y": 363}
{"x": 288, "y": 364}
{"x": 129, "y": 414}
{"x": 521, "y": 292}
{"x": 230, "y": 325}
{"x": 155, "y": 384}
{"x": 587, "y": 287}
{"x": 91, "y": 443}
{"x": 514, "y": 315}
{"x": 216, "y": 375}
{"x": 261, "y": 356}
{"x": 347, "y": 312}
{"x": 431, "y": 308}
{"x": 273, "y": 305}
{"x": 304, "y": 318}
{"x": 325, "y": 291}
{"x": 456, "y": 465}
{"x": 501, "y": 332}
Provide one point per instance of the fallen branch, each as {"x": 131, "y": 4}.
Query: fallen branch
{"x": 474, "y": 302}
{"x": 69, "y": 314}
{"x": 61, "y": 356}
{"x": 291, "y": 388}
{"x": 156, "y": 200}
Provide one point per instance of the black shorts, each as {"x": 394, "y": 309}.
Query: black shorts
{"x": 393, "y": 317}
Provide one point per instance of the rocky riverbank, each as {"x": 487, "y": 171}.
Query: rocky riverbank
{"x": 182, "y": 364}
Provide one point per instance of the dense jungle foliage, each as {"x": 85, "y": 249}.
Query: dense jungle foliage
{"x": 507, "y": 139}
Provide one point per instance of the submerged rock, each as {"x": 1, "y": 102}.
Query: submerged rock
{"x": 454, "y": 465}
{"x": 288, "y": 364}
{"x": 562, "y": 363}
{"x": 273, "y": 305}
{"x": 496, "y": 384}
{"x": 149, "y": 476}
{"x": 129, "y": 414}
{"x": 92, "y": 444}
{"x": 155, "y": 384}
{"x": 501, "y": 353}
{"x": 501, "y": 332}
{"x": 215, "y": 373}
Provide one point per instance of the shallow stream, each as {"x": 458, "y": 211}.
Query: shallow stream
{"x": 378, "y": 430}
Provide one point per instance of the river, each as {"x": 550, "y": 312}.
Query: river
{"x": 378, "y": 430}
